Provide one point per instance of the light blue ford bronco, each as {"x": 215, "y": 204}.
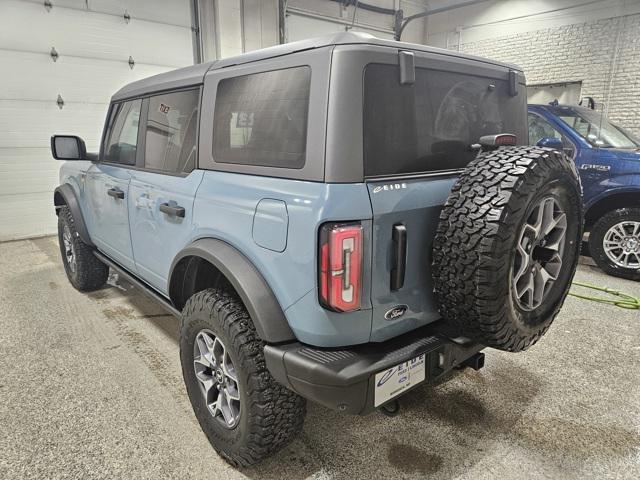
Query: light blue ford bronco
{"x": 338, "y": 219}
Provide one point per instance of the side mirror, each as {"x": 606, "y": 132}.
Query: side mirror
{"x": 68, "y": 147}
{"x": 551, "y": 142}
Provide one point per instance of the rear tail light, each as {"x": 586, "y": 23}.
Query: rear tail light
{"x": 499, "y": 140}
{"x": 341, "y": 266}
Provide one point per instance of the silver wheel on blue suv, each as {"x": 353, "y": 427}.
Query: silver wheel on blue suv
{"x": 243, "y": 411}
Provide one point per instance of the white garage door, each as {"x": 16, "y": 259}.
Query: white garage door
{"x": 94, "y": 42}
{"x": 300, "y": 27}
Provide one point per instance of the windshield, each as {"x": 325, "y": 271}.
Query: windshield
{"x": 595, "y": 128}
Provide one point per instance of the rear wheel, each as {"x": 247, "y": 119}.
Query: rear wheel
{"x": 614, "y": 243}
{"x": 507, "y": 246}
{"x": 83, "y": 269}
{"x": 243, "y": 411}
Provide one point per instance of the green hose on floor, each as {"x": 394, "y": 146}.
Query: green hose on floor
{"x": 623, "y": 301}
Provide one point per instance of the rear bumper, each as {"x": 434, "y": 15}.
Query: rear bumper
{"x": 343, "y": 379}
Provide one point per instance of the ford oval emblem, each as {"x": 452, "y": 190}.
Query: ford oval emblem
{"x": 396, "y": 312}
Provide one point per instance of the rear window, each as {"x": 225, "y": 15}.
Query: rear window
{"x": 261, "y": 119}
{"x": 429, "y": 126}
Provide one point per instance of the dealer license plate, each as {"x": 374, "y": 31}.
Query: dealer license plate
{"x": 395, "y": 380}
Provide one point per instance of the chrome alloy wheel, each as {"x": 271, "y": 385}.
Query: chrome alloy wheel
{"x": 621, "y": 244}
{"x": 217, "y": 378}
{"x": 538, "y": 258}
{"x": 69, "y": 251}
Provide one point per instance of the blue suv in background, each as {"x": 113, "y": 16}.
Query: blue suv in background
{"x": 608, "y": 159}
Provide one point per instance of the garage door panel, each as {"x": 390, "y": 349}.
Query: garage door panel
{"x": 164, "y": 47}
{"x": 26, "y": 215}
{"x": 93, "y": 35}
{"x": 22, "y": 159}
{"x": 168, "y": 11}
{"x": 94, "y": 50}
{"x": 35, "y": 77}
{"x": 40, "y": 183}
{"x": 27, "y": 170}
{"x": 31, "y": 124}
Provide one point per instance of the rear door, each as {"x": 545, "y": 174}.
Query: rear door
{"x": 417, "y": 138}
{"x": 164, "y": 185}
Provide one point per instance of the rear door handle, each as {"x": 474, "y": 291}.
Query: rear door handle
{"x": 399, "y": 237}
{"x": 172, "y": 210}
{"x": 115, "y": 193}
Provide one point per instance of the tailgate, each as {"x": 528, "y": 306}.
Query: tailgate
{"x": 418, "y": 135}
{"x": 412, "y": 206}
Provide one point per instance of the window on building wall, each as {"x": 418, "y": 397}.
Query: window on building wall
{"x": 566, "y": 93}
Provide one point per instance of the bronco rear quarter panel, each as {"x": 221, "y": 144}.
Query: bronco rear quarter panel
{"x": 226, "y": 208}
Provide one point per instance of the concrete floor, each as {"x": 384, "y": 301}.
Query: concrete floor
{"x": 90, "y": 387}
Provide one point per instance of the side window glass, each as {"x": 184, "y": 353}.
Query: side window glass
{"x": 581, "y": 126}
{"x": 540, "y": 128}
{"x": 122, "y": 137}
{"x": 261, "y": 119}
{"x": 172, "y": 130}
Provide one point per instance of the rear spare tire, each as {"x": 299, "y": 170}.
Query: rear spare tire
{"x": 507, "y": 246}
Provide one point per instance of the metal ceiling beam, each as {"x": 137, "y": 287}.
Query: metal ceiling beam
{"x": 401, "y": 22}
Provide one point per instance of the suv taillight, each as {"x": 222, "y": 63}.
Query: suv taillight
{"x": 341, "y": 266}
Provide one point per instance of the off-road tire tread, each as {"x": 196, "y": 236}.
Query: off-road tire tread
{"x": 276, "y": 414}
{"x": 478, "y": 219}
{"x": 91, "y": 274}
{"x": 596, "y": 236}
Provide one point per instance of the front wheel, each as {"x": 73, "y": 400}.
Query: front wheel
{"x": 85, "y": 272}
{"x": 245, "y": 414}
{"x": 614, "y": 243}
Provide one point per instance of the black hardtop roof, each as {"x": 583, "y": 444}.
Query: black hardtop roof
{"x": 194, "y": 75}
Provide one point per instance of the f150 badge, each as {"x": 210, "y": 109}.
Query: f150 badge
{"x": 596, "y": 167}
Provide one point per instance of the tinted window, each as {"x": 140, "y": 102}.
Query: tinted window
{"x": 594, "y": 127}
{"x": 172, "y": 129}
{"x": 122, "y": 136}
{"x": 430, "y": 125}
{"x": 540, "y": 128}
{"x": 261, "y": 119}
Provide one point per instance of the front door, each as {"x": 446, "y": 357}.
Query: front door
{"x": 162, "y": 192}
{"x": 107, "y": 185}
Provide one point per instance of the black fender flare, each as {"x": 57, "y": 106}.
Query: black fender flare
{"x": 65, "y": 195}
{"x": 260, "y": 301}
